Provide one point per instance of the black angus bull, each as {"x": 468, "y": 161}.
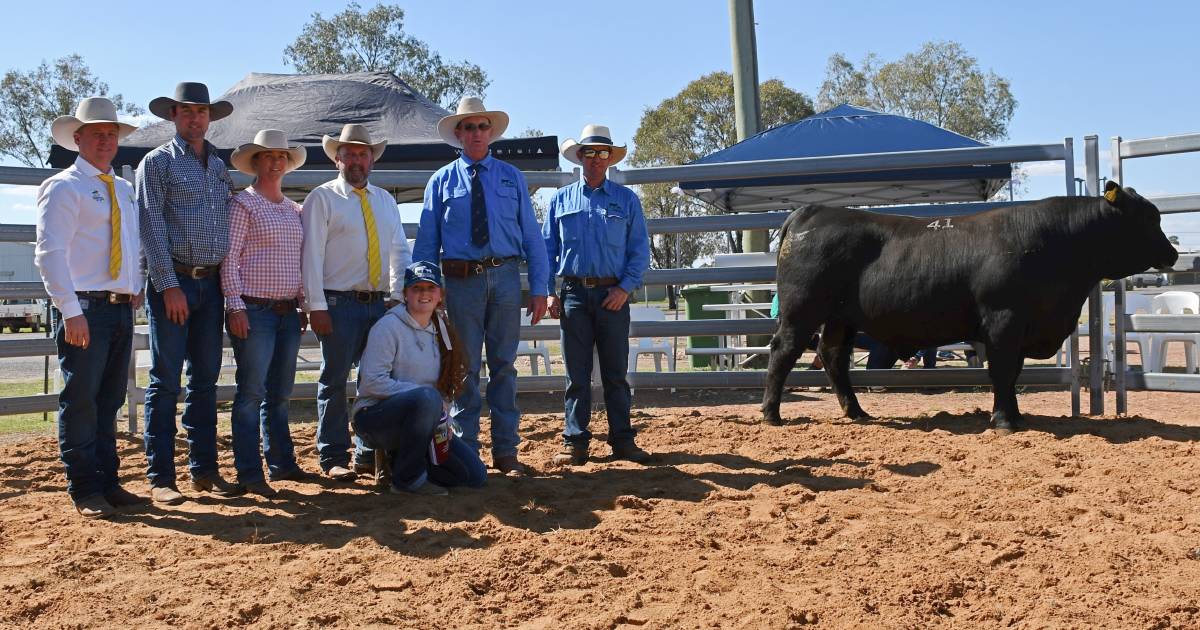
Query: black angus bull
{"x": 1013, "y": 279}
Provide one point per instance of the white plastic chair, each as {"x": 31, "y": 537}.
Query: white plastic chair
{"x": 532, "y": 350}
{"x": 1134, "y": 303}
{"x": 1175, "y": 303}
{"x": 647, "y": 345}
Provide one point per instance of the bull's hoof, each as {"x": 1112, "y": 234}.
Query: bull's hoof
{"x": 858, "y": 415}
{"x": 1004, "y": 426}
{"x": 772, "y": 419}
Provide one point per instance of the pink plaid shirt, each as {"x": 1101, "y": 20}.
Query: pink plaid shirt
{"x": 265, "y": 240}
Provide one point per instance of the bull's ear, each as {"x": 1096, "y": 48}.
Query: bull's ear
{"x": 1111, "y": 191}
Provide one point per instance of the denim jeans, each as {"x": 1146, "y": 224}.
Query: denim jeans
{"x": 92, "y": 394}
{"x": 340, "y": 350}
{"x": 403, "y": 425}
{"x": 198, "y": 341}
{"x": 266, "y": 371}
{"x": 587, "y": 325}
{"x": 486, "y": 308}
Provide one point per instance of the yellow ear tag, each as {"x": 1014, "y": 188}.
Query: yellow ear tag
{"x": 1111, "y": 196}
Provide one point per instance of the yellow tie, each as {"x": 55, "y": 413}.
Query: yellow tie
{"x": 374, "y": 267}
{"x": 114, "y": 219}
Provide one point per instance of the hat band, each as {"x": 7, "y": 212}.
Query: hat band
{"x": 596, "y": 140}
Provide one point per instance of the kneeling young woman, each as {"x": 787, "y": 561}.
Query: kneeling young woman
{"x": 411, "y": 366}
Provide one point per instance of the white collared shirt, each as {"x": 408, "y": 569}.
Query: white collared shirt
{"x": 74, "y": 236}
{"x": 335, "y": 243}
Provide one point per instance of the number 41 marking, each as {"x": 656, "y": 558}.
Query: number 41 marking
{"x": 939, "y": 225}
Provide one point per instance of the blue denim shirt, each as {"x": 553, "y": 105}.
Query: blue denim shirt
{"x": 597, "y": 232}
{"x": 513, "y": 230}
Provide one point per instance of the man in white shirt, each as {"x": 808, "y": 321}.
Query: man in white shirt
{"x": 88, "y": 253}
{"x": 355, "y": 254}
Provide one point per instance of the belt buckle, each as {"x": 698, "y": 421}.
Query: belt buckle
{"x": 194, "y": 273}
{"x": 477, "y": 268}
{"x": 362, "y": 297}
{"x": 492, "y": 261}
{"x": 112, "y": 298}
{"x": 589, "y": 283}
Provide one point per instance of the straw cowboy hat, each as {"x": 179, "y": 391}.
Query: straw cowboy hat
{"x": 591, "y": 136}
{"x": 267, "y": 140}
{"x": 352, "y": 133}
{"x": 96, "y": 109}
{"x": 190, "y": 93}
{"x": 467, "y": 107}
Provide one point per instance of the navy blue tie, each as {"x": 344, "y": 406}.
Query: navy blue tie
{"x": 479, "y": 223}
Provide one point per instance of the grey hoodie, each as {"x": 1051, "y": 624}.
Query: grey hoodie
{"x": 400, "y": 355}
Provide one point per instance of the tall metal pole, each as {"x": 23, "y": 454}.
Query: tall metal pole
{"x": 745, "y": 92}
{"x": 1114, "y": 159}
{"x": 1096, "y": 315}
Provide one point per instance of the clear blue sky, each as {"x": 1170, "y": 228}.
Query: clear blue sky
{"x": 1076, "y": 68}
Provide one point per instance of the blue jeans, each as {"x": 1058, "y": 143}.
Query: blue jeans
{"x": 587, "y": 325}
{"x": 266, "y": 371}
{"x": 403, "y": 425}
{"x": 340, "y": 350}
{"x": 92, "y": 394}
{"x": 486, "y": 308}
{"x": 198, "y": 341}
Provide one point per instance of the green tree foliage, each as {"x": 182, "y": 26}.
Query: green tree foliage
{"x": 375, "y": 41}
{"x": 696, "y": 122}
{"x": 939, "y": 84}
{"x": 30, "y": 101}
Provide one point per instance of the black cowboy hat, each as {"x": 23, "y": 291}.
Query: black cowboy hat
{"x": 192, "y": 94}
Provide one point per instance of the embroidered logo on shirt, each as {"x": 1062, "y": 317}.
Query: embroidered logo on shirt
{"x": 97, "y": 196}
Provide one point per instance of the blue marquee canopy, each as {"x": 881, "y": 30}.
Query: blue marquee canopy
{"x": 847, "y": 130}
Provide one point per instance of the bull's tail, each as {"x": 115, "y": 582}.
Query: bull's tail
{"x": 799, "y": 215}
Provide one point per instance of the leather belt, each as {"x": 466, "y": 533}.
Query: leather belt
{"x": 465, "y": 268}
{"x": 362, "y": 297}
{"x": 591, "y": 283}
{"x": 279, "y": 307}
{"x": 108, "y": 296}
{"x": 196, "y": 272}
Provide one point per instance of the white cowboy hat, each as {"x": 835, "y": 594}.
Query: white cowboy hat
{"x": 467, "y": 107}
{"x": 594, "y": 136}
{"x": 352, "y": 133}
{"x": 191, "y": 93}
{"x": 96, "y": 109}
{"x": 267, "y": 140}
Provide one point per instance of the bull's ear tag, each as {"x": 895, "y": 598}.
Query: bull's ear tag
{"x": 1111, "y": 195}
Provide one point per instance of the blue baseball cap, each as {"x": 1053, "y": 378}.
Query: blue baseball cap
{"x": 422, "y": 271}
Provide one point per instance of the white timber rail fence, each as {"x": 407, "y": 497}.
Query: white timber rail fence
{"x": 945, "y": 377}
{"x": 1126, "y": 379}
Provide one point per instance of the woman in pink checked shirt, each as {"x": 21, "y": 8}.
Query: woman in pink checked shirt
{"x": 260, "y": 279}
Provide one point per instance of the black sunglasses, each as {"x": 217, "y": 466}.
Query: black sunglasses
{"x": 591, "y": 153}
{"x": 469, "y": 127}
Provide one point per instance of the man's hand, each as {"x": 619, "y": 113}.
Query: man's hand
{"x": 615, "y": 300}
{"x": 537, "y": 308}
{"x": 75, "y": 331}
{"x": 303, "y": 322}
{"x": 321, "y": 322}
{"x": 176, "y": 303}
{"x": 238, "y": 323}
{"x": 138, "y": 300}
{"x": 554, "y": 306}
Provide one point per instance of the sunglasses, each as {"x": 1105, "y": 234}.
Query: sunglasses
{"x": 591, "y": 153}
{"x": 469, "y": 127}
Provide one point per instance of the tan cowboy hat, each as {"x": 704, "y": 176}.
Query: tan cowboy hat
{"x": 267, "y": 140}
{"x": 352, "y": 133}
{"x": 96, "y": 109}
{"x": 191, "y": 93}
{"x": 467, "y": 107}
{"x": 594, "y": 136}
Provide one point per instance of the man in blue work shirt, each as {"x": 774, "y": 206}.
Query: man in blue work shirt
{"x": 597, "y": 243}
{"x": 478, "y": 223}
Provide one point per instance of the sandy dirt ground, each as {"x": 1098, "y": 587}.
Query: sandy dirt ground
{"x": 923, "y": 518}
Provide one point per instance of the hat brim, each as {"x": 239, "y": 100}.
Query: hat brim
{"x": 446, "y": 125}
{"x": 64, "y": 127}
{"x": 569, "y": 149}
{"x": 243, "y": 157}
{"x": 331, "y": 145}
{"x": 161, "y": 107}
